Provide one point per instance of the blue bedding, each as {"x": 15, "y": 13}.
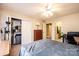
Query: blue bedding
{"x": 49, "y": 48}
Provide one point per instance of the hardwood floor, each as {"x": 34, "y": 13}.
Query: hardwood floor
{"x": 15, "y": 49}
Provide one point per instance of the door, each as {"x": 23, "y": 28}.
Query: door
{"x": 26, "y": 32}
{"x": 15, "y": 31}
{"x": 49, "y": 31}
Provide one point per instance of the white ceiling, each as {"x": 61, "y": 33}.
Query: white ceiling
{"x": 35, "y": 9}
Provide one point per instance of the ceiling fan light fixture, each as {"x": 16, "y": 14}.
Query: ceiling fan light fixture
{"x": 47, "y": 14}
{"x": 48, "y": 11}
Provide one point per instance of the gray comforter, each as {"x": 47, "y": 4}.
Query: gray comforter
{"x": 49, "y": 48}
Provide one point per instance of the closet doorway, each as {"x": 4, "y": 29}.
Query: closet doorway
{"x": 49, "y": 30}
{"x": 15, "y": 31}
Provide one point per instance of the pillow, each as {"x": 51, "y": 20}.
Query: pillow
{"x": 76, "y": 39}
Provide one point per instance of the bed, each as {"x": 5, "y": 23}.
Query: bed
{"x": 47, "y": 47}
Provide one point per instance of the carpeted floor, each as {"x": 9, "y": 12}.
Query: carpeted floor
{"x": 15, "y": 49}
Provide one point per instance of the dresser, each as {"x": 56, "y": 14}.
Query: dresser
{"x": 38, "y": 35}
{"x": 4, "y": 48}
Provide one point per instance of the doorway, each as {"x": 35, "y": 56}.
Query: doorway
{"x": 49, "y": 30}
{"x": 15, "y": 31}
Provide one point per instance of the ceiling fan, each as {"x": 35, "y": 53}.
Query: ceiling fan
{"x": 48, "y": 11}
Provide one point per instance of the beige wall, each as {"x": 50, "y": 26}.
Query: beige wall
{"x": 67, "y": 23}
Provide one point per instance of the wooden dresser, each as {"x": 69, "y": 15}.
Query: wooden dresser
{"x": 38, "y": 35}
{"x": 4, "y": 48}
